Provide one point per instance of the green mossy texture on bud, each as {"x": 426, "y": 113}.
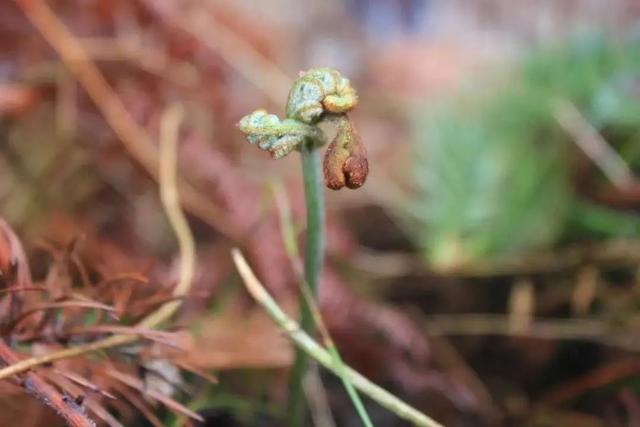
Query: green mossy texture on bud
{"x": 317, "y": 91}
{"x": 318, "y": 94}
{"x": 279, "y": 137}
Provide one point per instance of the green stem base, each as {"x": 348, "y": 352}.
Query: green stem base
{"x": 313, "y": 260}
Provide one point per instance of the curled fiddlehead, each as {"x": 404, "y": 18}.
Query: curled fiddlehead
{"x": 279, "y": 137}
{"x": 317, "y": 91}
{"x": 318, "y": 94}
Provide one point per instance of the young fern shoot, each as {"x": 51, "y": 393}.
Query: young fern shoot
{"x": 319, "y": 94}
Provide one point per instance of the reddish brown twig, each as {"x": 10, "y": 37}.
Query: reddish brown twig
{"x": 64, "y": 406}
{"x": 596, "y": 379}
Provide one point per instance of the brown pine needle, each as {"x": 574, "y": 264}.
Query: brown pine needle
{"x": 13, "y": 289}
{"x": 61, "y": 304}
{"x": 137, "y": 384}
{"x": 85, "y": 383}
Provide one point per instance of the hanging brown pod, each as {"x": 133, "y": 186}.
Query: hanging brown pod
{"x": 345, "y": 161}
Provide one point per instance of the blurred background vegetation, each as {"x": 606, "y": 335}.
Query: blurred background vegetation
{"x": 495, "y": 163}
{"x": 487, "y": 272}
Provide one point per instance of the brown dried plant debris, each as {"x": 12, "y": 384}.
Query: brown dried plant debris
{"x": 75, "y": 303}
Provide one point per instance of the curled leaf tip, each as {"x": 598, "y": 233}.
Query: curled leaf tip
{"x": 318, "y": 94}
{"x": 320, "y": 90}
{"x": 345, "y": 161}
{"x": 278, "y": 137}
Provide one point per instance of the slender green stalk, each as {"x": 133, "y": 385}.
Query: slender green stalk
{"x": 313, "y": 260}
{"x": 313, "y": 190}
{"x": 307, "y": 344}
{"x": 291, "y": 247}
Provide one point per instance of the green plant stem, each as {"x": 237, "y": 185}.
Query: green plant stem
{"x": 313, "y": 260}
{"x": 291, "y": 247}
{"x": 303, "y": 341}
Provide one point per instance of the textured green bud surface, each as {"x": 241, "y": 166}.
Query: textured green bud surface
{"x": 279, "y": 137}
{"x": 316, "y": 92}
{"x": 320, "y": 90}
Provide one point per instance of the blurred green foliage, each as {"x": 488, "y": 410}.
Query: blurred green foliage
{"x": 494, "y": 168}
